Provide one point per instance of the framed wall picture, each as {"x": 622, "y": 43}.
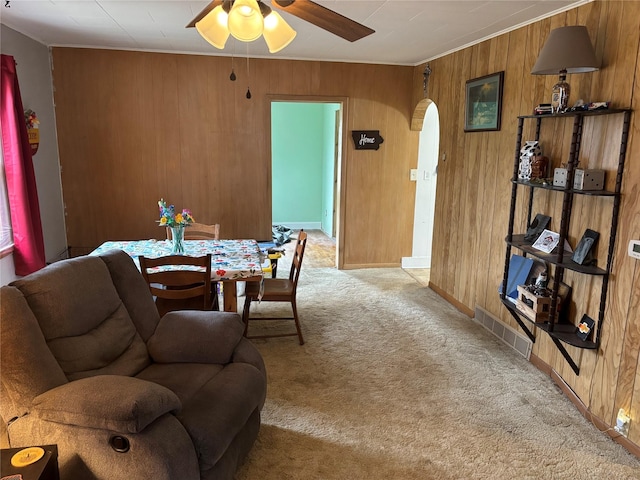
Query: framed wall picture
{"x": 483, "y": 103}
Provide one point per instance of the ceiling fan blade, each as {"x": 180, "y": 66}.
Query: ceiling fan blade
{"x": 325, "y": 18}
{"x": 204, "y": 13}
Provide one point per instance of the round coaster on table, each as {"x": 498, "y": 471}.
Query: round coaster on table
{"x": 27, "y": 456}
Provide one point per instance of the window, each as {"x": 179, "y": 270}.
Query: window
{"x": 6, "y": 235}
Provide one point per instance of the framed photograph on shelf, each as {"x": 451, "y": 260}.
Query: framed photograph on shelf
{"x": 547, "y": 241}
{"x": 539, "y": 223}
{"x": 583, "y": 254}
{"x": 585, "y": 327}
{"x": 483, "y": 103}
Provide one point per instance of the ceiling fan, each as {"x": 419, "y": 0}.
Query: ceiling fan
{"x": 311, "y": 12}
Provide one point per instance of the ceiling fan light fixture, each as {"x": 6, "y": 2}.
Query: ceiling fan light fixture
{"x": 245, "y": 20}
{"x": 213, "y": 27}
{"x": 277, "y": 33}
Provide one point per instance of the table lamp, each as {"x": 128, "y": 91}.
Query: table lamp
{"x": 567, "y": 50}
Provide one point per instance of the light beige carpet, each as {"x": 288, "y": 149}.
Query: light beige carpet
{"x": 394, "y": 383}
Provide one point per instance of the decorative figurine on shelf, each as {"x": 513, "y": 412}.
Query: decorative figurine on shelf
{"x": 528, "y": 153}
{"x": 539, "y": 167}
{"x": 542, "y": 280}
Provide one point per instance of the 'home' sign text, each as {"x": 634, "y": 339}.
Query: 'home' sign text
{"x": 367, "y": 139}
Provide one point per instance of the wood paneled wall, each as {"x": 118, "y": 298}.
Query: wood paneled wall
{"x": 474, "y": 188}
{"x": 134, "y": 127}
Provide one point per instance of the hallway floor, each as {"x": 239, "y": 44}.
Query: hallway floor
{"x": 321, "y": 253}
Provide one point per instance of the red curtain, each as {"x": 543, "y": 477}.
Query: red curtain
{"x": 28, "y": 252}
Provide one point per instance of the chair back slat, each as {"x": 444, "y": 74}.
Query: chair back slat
{"x": 178, "y": 294}
{"x": 176, "y": 278}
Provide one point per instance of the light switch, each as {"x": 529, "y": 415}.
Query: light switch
{"x": 413, "y": 176}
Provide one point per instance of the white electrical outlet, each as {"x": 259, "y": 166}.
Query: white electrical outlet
{"x": 622, "y": 422}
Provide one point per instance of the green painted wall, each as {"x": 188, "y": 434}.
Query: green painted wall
{"x": 302, "y": 138}
{"x": 328, "y": 169}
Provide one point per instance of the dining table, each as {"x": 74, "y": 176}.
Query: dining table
{"x": 231, "y": 260}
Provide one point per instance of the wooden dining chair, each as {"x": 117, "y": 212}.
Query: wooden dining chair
{"x": 277, "y": 290}
{"x": 178, "y": 282}
{"x": 202, "y": 231}
{"x": 199, "y": 231}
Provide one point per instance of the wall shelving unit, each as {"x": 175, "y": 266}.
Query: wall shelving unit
{"x": 564, "y": 333}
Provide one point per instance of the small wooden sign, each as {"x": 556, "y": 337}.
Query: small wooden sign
{"x": 34, "y": 139}
{"x": 367, "y": 139}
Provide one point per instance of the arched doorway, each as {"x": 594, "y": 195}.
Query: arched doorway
{"x": 427, "y": 120}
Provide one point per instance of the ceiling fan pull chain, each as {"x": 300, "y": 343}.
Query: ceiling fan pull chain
{"x": 232, "y": 77}
{"x": 248, "y": 89}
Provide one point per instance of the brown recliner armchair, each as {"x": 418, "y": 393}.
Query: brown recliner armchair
{"x": 88, "y": 364}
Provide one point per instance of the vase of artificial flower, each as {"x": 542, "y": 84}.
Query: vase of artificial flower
{"x": 177, "y": 240}
{"x": 177, "y": 223}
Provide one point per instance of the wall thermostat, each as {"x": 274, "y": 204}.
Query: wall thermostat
{"x": 634, "y": 249}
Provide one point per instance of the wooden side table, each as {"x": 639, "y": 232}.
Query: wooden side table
{"x": 44, "y": 469}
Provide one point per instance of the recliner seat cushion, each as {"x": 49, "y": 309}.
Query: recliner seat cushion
{"x": 183, "y": 379}
{"x": 83, "y": 319}
{"x": 236, "y": 390}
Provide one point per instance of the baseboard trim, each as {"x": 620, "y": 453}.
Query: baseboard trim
{"x": 600, "y": 424}
{"x": 356, "y": 266}
{"x": 460, "y": 306}
{"x": 540, "y": 365}
{"x": 416, "y": 262}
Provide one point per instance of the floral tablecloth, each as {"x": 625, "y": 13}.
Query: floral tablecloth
{"x": 230, "y": 259}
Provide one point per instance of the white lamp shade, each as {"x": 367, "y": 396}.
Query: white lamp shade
{"x": 213, "y": 27}
{"x": 566, "y": 48}
{"x": 277, "y": 33}
{"x": 245, "y": 20}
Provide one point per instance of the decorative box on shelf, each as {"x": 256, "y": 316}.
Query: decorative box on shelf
{"x": 535, "y": 307}
{"x": 559, "y": 177}
{"x": 588, "y": 179}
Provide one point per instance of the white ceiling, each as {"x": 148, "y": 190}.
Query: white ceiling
{"x": 408, "y": 32}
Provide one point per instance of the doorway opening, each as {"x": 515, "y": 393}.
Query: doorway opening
{"x": 306, "y": 165}
{"x": 426, "y": 179}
